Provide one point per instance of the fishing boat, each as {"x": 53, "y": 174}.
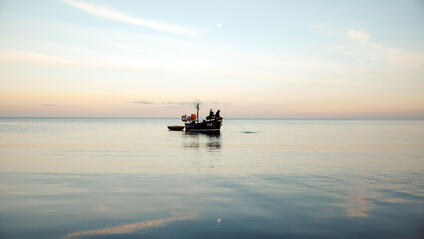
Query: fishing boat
{"x": 212, "y": 123}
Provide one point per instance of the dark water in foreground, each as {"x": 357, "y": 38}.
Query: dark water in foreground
{"x": 131, "y": 178}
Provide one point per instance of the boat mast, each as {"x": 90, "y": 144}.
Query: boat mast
{"x": 197, "y": 106}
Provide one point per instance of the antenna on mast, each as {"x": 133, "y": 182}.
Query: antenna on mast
{"x": 197, "y": 107}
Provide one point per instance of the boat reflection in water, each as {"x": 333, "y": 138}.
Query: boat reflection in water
{"x": 198, "y": 140}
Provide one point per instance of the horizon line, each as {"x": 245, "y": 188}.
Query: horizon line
{"x": 241, "y": 118}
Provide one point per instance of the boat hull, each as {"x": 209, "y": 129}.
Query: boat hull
{"x": 213, "y": 126}
{"x": 175, "y": 127}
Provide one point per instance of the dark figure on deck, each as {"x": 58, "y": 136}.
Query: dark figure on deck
{"x": 217, "y": 116}
{"x": 210, "y": 115}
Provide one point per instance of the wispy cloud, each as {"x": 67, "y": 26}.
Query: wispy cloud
{"x": 93, "y": 61}
{"x": 142, "y": 102}
{"x": 109, "y": 13}
{"x": 179, "y": 103}
{"x": 366, "y": 48}
{"x": 109, "y": 43}
{"x": 358, "y": 35}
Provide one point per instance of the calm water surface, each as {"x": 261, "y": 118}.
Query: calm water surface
{"x": 132, "y": 178}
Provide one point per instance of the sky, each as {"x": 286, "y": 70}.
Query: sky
{"x": 285, "y": 59}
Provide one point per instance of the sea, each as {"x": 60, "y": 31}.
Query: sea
{"x": 260, "y": 178}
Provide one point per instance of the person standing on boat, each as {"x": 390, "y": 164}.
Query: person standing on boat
{"x": 210, "y": 115}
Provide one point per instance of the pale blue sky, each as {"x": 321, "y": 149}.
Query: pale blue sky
{"x": 251, "y": 58}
